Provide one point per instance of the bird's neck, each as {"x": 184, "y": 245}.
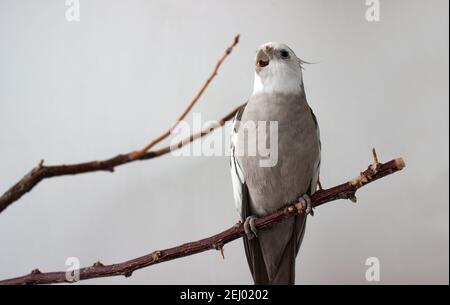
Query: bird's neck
{"x": 275, "y": 80}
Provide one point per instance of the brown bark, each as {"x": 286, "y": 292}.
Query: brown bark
{"x": 344, "y": 191}
{"x": 140, "y": 153}
{"x": 41, "y": 172}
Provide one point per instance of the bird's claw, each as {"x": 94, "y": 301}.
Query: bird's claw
{"x": 250, "y": 228}
{"x": 305, "y": 200}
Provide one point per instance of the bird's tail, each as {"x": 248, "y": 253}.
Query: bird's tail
{"x": 283, "y": 272}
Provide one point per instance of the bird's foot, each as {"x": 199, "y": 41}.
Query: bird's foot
{"x": 306, "y": 204}
{"x": 249, "y": 227}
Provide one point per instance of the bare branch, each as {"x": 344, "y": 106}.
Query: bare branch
{"x": 217, "y": 242}
{"x": 41, "y": 171}
{"x": 140, "y": 153}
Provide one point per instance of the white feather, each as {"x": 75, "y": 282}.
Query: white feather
{"x": 237, "y": 176}
{"x": 281, "y": 75}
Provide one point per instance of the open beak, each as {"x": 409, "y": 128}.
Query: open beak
{"x": 262, "y": 58}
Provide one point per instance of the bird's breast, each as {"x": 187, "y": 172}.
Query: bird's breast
{"x": 277, "y": 157}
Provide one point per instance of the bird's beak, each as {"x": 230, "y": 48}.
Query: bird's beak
{"x": 263, "y": 57}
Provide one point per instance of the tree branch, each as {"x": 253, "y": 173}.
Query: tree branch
{"x": 41, "y": 172}
{"x": 344, "y": 191}
{"x": 140, "y": 153}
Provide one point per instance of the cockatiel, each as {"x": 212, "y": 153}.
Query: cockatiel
{"x": 261, "y": 188}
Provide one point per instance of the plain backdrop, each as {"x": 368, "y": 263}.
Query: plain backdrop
{"x": 88, "y": 90}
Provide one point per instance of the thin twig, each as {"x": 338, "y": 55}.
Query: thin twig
{"x": 138, "y": 154}
{"x": 375, "y": 156}
{"x": 217, "y": 242}
{"x": 41, "y": 171}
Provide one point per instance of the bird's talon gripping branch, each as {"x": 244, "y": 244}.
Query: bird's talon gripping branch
{"x": 307, "y": 207}
{"x": 250, "y": 228}
{"x": 125, "y": 268}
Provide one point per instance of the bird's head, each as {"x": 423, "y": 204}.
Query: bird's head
{"x": 277, "y": 70}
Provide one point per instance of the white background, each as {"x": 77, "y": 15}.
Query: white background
{"x": 88, "y": 90}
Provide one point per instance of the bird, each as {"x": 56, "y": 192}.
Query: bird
{"x": 260, "y": 188}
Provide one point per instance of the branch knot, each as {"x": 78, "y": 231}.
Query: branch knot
{"x": 156, "y": 256}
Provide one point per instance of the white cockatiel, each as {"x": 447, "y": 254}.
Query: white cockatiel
{"x": 278, "y": 96}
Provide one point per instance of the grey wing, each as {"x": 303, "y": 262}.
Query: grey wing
{"x": 237, "y": 176}
{"x": 242, "y": 200}
{"x": 284, "y": 272}
{"x": 316, "y": 174}
{"x": 253, "y": 249}
{"x": 301, "y": 223}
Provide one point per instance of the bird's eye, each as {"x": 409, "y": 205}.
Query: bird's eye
{"x": 284, "y": 54}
